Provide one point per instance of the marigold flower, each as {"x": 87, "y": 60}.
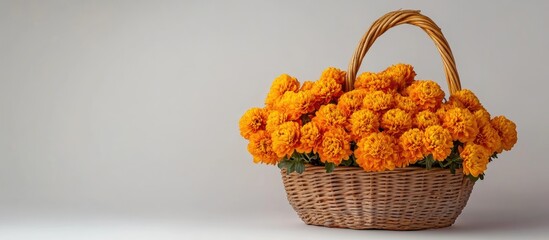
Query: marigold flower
{"x": 425, "y": 119}
{"x": 402, "y": 75}
{"x": 326, "y": 90}
{"x": 281, "y": 84}
{"x": 378, "y": 101}
{"x": 468, "y": 98}
{"x": 363, "y": 122}
{"x": 373, "y": 82}
{"x": 329, "y": 116}
{"x": 507, "y": 131}
{"x": 335, "y": 73}
{"x": 447, "y": 106}
{"x": 335, "y": 146}
{"x": 260, "y": 147}
{"x": 461, "y": 123}
{"x": 310, "y": 138}
{"x": 296, "y": 104}
{"x": 475, "y": 159}
{"x": 307, "y": 85}
{"x": 426, "y": 94}
{"x": 489, "y": 138}
{"x": 274, "y": 119}
{"x": 396, "y": 121}
{"x": 482, "y": 116}
{"x": 252, "y": 121}
{"x": 405, "y": 103}
{"x": 351, "y": 101}
{"x": 412, "y": 147}
{"x": 438, "y": 141}
{"x": 377, "y": 152}
{"x": 285, "y": 138}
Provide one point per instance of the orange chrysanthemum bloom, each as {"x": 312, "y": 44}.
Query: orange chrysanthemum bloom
{"x": 252, "y": 121}
{"x": 468, "y": 98}
{"x": 363, "y": 122}
{"x": 396, "y": 121}
{"x": 274, "y": 119}
{"x": 461, "y": 123}
{"x": 489, "y": 138}
{"x": 412, "y": 147}
{"x": 310, "y": 138}
{"x": 326, "y": 90}
{"x": 335, "y": 146}
{"x": 351, "y": 101}
{"x": 285, "y": 138}
{"x": 507, "y": 131}
{"x": 281, "y": 84}
{"x": 438, "y": 141}
{"x": 307, "y": 85}
{"x": 444, "y": 107}
{"x": 426, "y": 94}
{"x": 475, "y": 159}
{"x": 377, "y": 152}
{"x": 373, "y": 82}
{"x": 402, "y": 75}
{"x": 378, "y": 101}
{"x": 335, "y": 73}
{"x": 405, "y": 103}
{"x": 260, "y": 147}
{"x": 329, "y": 116}
{"x": 425, "y": 119}
{"x": 296, "y": 104}
{"x": 483, "y": 117}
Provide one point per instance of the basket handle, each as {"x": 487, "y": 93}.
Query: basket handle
{"x": 393, "y": 19}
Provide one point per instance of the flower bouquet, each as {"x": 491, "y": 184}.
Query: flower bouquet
{"x": 381, "y": 150}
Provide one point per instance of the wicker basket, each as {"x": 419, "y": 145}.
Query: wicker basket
{"x": 403, "y": 199}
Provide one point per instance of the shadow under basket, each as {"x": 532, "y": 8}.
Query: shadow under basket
{"x": 409, "y": 198}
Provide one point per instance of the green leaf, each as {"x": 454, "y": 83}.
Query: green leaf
{"x": 481, "y": 176}
{"x": 472, "y": 178}
{"x": 299, "y": 167}
{"x": 291, "y": 167}
{"x": 429, "y": 160}
{"x": 329, "y": 167}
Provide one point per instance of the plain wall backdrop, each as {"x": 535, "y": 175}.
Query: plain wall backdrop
{"x": 132, "y": 107}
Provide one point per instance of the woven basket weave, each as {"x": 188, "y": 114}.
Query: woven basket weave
{"x": 409, "y": 198}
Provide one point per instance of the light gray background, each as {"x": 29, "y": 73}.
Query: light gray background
{"x": 119, "y": 119}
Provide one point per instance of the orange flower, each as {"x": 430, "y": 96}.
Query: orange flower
{"x": 489, "y": 138}
{"x": 351, "y": 101}
{"x": 483, "y": 117}
{"x": 363, "y": 122}
{"x": 326, "y": 90}
{"x": 468, "y": 98}
{"x": 444, "y": 107}
{"x": 274, "y": 119}
{"x": 475, "y": 159}
{"x": 438, "y": 141}
{"x": 281, "y": 84}
{"x": 507, "y": 131}
{"x": 396, "y": 121}
{"x": 307, "y": 85}
{"x": 310, "y": 138}
{"x": 405, "y": 103}
{"x": 412, "y": 147}
{"x": 260, "y": 147}
{"x": 377, "y": 152}
{"x": 426, "y": 94}
{"x": 335, "y": 73}
{"x": 425, "y": 119}
{"x": 373, "y": 82}
{"x": 335, "y": 146}
{"x": 402, "y": 75}
{"x": 285, "y": 138}
{"x": 252, "y": 121}
{"x": 296, "y": 104}
{"x": 378, "y": 101}
{"x": 329, "y": 116}
{"x": 461, "y": 123}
